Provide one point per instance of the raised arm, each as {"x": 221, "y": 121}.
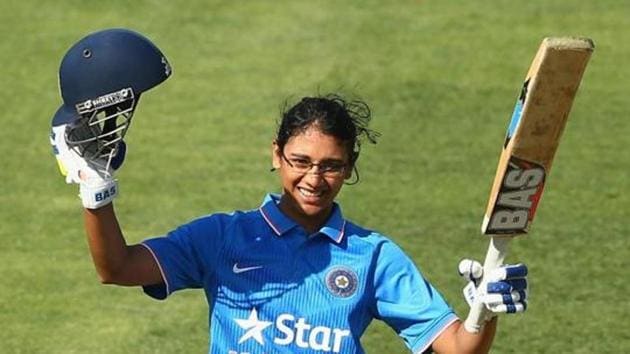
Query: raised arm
{"x": 101, "y": 78}
{"x": 115, "y": 261}
{"x": 455, "y": 339}
{"x": 505, "y": 292}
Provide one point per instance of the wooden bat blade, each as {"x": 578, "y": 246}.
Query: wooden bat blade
{"x": 530, "y": 144}
{"x": 534, "y": 133}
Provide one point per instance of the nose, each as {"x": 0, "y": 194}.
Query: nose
{"x": 313, "y": 177}
{"x": 315, "y": 170}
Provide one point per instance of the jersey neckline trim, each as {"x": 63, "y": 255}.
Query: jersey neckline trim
{"x": 334, "y": 228}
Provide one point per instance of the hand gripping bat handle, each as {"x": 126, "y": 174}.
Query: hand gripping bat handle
{"x": 497, "y": 251}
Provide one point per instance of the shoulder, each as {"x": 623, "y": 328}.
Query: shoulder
{"x": 385, "y": 253}
{"x": 366, "y": 237}
{"x": 224, "y": 223}
{"x": 365, "y": 234}
{"x": 221, "y": 219}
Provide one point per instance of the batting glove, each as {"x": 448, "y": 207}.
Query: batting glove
{"x": 97, "y": 186}
{"x": 505, "y": 290}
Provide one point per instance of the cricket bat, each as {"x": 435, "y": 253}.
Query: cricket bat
{"x": 531, "y": 141}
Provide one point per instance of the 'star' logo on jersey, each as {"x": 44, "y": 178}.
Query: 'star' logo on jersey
{"x": 293, "y": 331}
{"x": 253, "y": 326}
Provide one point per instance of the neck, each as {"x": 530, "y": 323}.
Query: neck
{"x": 311, "y": 223}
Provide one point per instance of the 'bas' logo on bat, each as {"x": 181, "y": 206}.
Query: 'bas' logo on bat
{"x": 518, "y": 198}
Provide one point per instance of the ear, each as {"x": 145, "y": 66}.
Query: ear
{"x": 275, "y": 155}
{"x": 354, "y": 156}
{"x": 348, "y": 172}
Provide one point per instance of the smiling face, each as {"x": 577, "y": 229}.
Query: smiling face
{"x": 308, "y": 195}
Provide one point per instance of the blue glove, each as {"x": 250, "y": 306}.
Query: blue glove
{"x": 505, "y": 291}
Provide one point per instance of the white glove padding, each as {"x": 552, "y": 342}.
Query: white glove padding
{"x": 95, "y": 178}
{"x": 505, "y": 290}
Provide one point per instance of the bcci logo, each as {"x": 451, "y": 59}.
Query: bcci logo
{"x": 342, "y": 281}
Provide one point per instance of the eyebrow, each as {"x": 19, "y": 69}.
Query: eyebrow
{"x": 306, "y": 157}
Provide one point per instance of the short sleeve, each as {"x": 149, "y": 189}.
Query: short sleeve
{"x": 185, "y": 256}
{"x": 406, "y": 301}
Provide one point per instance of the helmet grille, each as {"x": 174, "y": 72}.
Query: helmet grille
{"x": 103, "y": 123}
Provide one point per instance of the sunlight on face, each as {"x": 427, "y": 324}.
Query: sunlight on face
{"x": 308, "y": 195}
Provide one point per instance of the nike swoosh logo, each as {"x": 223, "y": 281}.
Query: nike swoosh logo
{"x": 238, "y": 270}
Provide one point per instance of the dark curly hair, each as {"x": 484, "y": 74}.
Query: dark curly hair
{"x": 334, "y": 115}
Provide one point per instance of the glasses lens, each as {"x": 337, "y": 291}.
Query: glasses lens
{"x": 301, "y": 165}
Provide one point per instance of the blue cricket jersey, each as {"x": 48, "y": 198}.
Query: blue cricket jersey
{"x": 273, "y": 288}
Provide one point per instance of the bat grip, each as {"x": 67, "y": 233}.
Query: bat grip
{"x": 497, "y": 250}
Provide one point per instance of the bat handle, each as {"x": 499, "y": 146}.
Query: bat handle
{"x": 497, "y": 250}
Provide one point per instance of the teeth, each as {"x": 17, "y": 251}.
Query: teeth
{"x": 307, "y": 193}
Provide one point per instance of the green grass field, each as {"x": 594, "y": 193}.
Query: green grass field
{"x": 441, "y": 78}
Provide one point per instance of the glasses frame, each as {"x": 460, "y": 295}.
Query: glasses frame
{"x": 324, "y": 169}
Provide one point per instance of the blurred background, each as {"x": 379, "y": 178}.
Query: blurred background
{"x": 441, "y": 78}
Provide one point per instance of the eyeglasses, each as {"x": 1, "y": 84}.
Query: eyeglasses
{"x": 327, "y": 168}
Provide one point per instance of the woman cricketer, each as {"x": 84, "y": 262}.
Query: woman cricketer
{"x": 291, "y": 276}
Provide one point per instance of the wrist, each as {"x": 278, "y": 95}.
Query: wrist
{"x": 96, "y": 193}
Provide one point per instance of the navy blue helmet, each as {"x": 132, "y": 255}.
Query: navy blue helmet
{"x": 101, "y": 78}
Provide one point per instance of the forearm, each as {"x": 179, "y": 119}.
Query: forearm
{"x": 115, "y": 262}
{"x": 456, "y": 340}
{"x": 106, "y": 241}
{"x": 476, "y": 342}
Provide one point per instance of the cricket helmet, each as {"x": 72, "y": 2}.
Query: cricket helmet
{"x": 101, "y": 78}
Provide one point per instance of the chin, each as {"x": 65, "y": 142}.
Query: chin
{"x": 300, "y": 209}
{"x": 313, "y": 210}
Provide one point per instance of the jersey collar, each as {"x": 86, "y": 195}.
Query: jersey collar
{"x": 280, "y": 223}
